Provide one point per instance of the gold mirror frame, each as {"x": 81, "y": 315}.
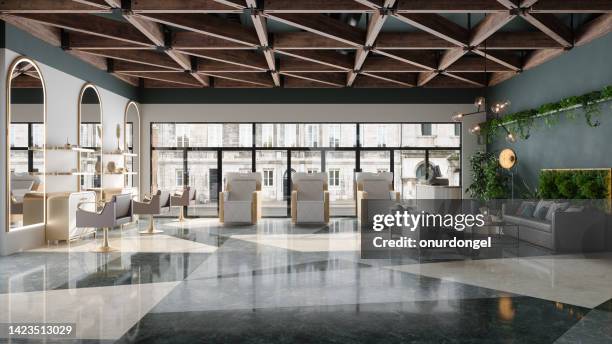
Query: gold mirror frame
{"x": 7, "y": 196}
{"x": 125, "y": 146}
{"x": 80, "y": 103}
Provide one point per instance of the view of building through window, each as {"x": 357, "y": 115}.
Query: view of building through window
{"x": 201, "y": 154}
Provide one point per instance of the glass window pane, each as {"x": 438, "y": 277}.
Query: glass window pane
{"x": 446, "y": 164}
{"x": 407, "y": 162}
{"x": 340, "y": 166}
{"x": 19, "y": 161}
{"x": 430, "y": 135}
{"x": 380, "y": 135}
{"x": 236, "y": 161}
{"x": 201, "y": 135}
{"x": 203, "y": 176}
{"x": 166, "y": 166}
{"x": 375, "y": 161}
{"x": 305, "y": 135}
{"x": 306, "y": 161}
{"x": 273, "y": 167}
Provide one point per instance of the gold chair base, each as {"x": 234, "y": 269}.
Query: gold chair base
{"x": 105, "y": 248}
{"x": 181, "y": 217}
{"x": 151, "y": 229}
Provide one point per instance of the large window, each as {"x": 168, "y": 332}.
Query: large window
{"x": 201, "y": 154}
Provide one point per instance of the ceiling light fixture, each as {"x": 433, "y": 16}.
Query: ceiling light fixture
{"x": 494, "y": 112}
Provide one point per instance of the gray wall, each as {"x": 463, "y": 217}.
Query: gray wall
{"x": 569, "y": 143}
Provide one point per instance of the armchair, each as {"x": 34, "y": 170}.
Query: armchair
{"x": 117, "y": 212}
{"x": 149, "y": 206}
{"x": 241, "y": 200}
{"x": 186, "y": 198}
{"x": 374, "y": 186}
{"x": 309, "y": 198}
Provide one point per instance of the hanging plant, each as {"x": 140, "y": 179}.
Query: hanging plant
{"x": 524, "y": 122}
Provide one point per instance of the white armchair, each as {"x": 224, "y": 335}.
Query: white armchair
{"x": 374, "y": 186}
{"x": 241, "y": 200}
{"x": 309, "y": 198}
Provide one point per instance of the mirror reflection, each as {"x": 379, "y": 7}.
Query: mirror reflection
{"x": 132, "y": 147}
{"x": 90, "y": 139}
{"x": 26, "y": 138}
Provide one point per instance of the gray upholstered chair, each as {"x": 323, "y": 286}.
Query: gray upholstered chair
{"x": 374, "y": 186}
{"x": 164, "y": 201}
{"x": 117, "y": 212}
{"x": 309, "y": 198}
{"x": 185, "y": 199}
{"x": 241, "y": 200}
{"x": 149, "y": 206}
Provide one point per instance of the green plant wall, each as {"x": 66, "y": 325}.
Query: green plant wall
{"x": 575, "y": 184}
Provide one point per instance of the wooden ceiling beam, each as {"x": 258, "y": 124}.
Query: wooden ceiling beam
{"x": 332, "y": 79}
{"x": 46, "y": 33}
{"x": 598, "y": 27}
{"x": 47, "y": 6}
{"x": 383, "y": 64}
{"x": 148, "y": 57}
{"x": 426, "y": 60}
{"x": 182, "y": 6}
{"x": 552, "y": 26}
{"x": 488, "y": 26}
{"x": 262, "y": 79}
{"x": 411, "y": 41}
{"x": 213, "y": 66}
{"x": 437, "y": 25}
{"x": 377, "y": 20}
{"x": 237, "y": 4}
{"x": 91, "y": 24}
{"x": 446, "y": 6}
{"x": 307, "y": 40}
{"x": 404, "y": 79}
{"x": 82, "y": 41}
{"x": 208, "y": 25}
{"x": 508, "y": 59}
{"x": 572, "y": 6}
{"x": 198, "y": 41}
{"x": 228, "y": 83}
{"x": 498, "y": 77}
{"x": 470, "y": 64}
{"x": 121, "y": 66}
{"x": 527, "y": 40}
{"x": 95, "y": 3}
{"x": 322, "y": 25}
{"x": 291, "y": 82}
{"x": 261, "y": 28}
{"x": 366, "y": 81}
{"x": 236, "y": 57}
{"x": 444, "y": 81}
{"x": 177, "y": 77}
{"x": 295, "y": 65}
{"x": 329, "y": 58}
{"x": 425, "y": 77}
{"x": 449, "y": 57}
{"x": 537, "y": 57}
{"x": 315, "y": 6}
{"x": 470, "y": 78}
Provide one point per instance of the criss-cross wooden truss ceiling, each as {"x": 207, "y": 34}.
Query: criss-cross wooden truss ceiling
{"x": 233, "y": 43}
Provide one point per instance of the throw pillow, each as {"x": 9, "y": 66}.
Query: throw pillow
{"x": 541, "y": 203}
{"x": 540, "y": 214}
{"x": 528, "y": 210}
{"x": 554, "y": 207}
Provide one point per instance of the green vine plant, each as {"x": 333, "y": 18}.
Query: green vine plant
{"x": 524, "y": 122}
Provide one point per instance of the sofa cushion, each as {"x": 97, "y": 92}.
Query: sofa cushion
{"x": 541, "y": 203}
{"x": 529, "y": 222}
{"x": 526, "y": 209}
{"x": 540, "y": 214}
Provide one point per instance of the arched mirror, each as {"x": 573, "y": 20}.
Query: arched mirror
{"x": 25, "y": 142}
{"x": 90, "y": 139}
{"x": 132, "y": 145}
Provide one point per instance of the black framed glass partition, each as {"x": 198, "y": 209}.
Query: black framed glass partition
{"x": 201, "y": 154}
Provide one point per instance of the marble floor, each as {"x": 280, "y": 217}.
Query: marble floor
{"x": 201, "y": 282}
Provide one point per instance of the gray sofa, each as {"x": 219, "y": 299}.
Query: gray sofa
{"x": 580, "y": 231}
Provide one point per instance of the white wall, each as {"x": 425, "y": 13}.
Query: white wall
{"x": 62, "y": 108}
{"x": 306, "y": 113}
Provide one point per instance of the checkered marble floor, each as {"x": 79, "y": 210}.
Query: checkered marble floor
{"x": 276, "y": 282}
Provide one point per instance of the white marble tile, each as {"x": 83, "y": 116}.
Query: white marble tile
{"x": 328, "y": 242}
{"x": 133, "y": 243}
{"x": 99, "y": 313}
{"x": 582, "y": 280}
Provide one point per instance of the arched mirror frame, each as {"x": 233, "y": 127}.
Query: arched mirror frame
{"x": 7, "y": 142}
{"x": 125, "y": 139}
{"x": 80, "y": 104}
